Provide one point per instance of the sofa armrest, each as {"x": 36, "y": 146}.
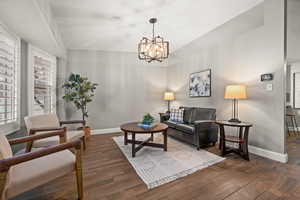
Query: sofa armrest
{"x": 205, "y": 124}
{"x": 206, "y": 130}
{"x": 164, "y": 117}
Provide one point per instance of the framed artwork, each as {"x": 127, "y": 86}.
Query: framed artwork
{"x": 200, "y": 84}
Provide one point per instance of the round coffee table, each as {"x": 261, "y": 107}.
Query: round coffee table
{"x": 134, "y": 129}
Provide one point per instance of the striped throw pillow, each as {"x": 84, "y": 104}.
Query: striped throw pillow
{"x": 176, "y": 115}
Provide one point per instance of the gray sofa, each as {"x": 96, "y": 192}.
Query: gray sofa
{"x": 198, "y": 127}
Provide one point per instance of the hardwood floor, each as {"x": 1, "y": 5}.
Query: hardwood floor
{"x": 109, "y": 176}
{"x": 293, "y": 149}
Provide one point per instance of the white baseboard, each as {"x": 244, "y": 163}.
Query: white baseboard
{"x": 105, "y": 131}
{"x": 268, "y": 154}
{"x": 265, "y": 153}
{"x": 252, "y": 149}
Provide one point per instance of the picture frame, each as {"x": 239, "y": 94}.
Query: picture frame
{"x": 200, "y": 84}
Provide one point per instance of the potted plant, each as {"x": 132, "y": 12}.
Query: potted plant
{"x": 80, "y": 91}
{"x": 148, "y": 119}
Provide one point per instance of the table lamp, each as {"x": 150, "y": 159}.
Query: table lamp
{"x": 235, "y": 92}
{"x": 169, "y": 96}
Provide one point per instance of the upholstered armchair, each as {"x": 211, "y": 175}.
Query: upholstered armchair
{"x": 40, "y": 124}
{"x": 23, "y": 172}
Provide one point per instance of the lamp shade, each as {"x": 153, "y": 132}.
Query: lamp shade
{"x": 235, "y": 92}
{"x": 169, "y": 96}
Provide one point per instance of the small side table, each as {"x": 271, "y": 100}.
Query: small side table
{"x": 242, "y": 139}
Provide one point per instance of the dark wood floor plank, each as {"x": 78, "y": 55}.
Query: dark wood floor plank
{"x": 109, "y": 176}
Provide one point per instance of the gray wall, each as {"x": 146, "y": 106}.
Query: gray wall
{"x": 293, "y": 30}
{"x": 128, "y": 88}
{"x": 238, "y": 52}
{"x": 293, "y": 45}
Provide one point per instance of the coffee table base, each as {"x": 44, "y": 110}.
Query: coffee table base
{"x": 142, "y": 144}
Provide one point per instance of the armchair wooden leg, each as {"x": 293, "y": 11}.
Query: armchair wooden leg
{"x": 83, "y": 139}
{"x": 29, "y": 147}
{"x": 3, "y": 179}
{"x": 79, "y": 174}
{"x": 87, "y": 132}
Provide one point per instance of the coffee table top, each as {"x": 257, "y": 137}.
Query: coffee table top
{"x": 134, "y": 128}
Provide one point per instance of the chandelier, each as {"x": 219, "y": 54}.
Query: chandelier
{"x": 153, "y": 49}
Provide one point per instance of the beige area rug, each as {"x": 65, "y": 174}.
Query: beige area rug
{"x": 156, "y": 167}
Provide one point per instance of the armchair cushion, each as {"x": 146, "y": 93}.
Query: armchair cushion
{"x": 5, "y": 149}
{"x": 5, "y": 152}
{"x": 41, "y": 121}
{"x": 70, "y": 135}
{"x": 31, "y": 174}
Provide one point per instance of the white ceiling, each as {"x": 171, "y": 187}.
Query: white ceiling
{"x": 118, "y": 25}
{"x": 28, "y": 20}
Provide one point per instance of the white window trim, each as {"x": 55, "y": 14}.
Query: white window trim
{"x": 33, "y": 51}
{"x": 12, "y": 127}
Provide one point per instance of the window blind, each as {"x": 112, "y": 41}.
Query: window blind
{"x": 8, "y": 77}
{"x": 42, "y": 86}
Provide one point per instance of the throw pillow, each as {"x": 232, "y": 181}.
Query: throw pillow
{"x": 176, "y": 115}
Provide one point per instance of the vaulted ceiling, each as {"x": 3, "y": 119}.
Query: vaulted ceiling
{"x": 118, "y": 25}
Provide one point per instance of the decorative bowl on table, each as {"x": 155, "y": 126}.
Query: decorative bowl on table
{"x": 147, "y": 122}
{"x": 146, "y": 126}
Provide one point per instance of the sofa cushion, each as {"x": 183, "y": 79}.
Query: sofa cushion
{"x": 171, "y": 123}
{"x": 187, "y": 115}
{"x": 185, "y": 128}
{"x": 203, "y": 114}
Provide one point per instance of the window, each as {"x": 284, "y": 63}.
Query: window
{"x": 42, "y": 84}
{"x": 9, "y": 81}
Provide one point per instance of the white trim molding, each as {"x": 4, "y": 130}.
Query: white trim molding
{"x": 105, "y": 131}
{"x": 280, "y": 157}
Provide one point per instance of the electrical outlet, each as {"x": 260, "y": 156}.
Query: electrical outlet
{"x": 269, "y": 87}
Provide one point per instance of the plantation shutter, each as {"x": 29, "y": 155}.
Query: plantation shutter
{"x": 9, "y": 54}
{"x": 43, "y": 87}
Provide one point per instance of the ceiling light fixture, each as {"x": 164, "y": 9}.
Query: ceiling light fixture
{"x": 153, "y": 49}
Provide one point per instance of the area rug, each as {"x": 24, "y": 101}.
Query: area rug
{"x": 156, "y": 167}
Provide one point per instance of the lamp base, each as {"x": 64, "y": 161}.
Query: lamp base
{"x": 234, "y": 120}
